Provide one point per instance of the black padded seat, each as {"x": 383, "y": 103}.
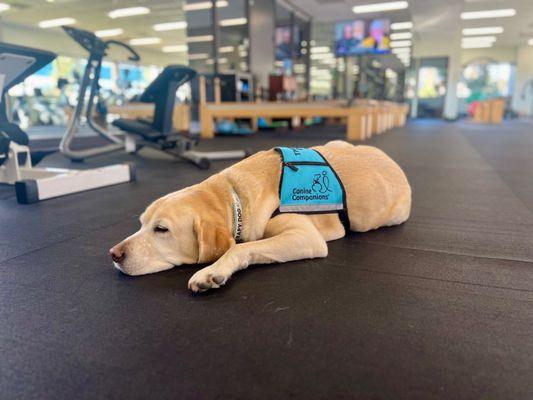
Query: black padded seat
{"x": 161, "y": 92}
{"x": 138, "y": 127}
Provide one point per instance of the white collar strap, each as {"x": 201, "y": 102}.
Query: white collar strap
{"x": 237, "y": 217}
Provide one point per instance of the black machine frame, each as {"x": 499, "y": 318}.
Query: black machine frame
{"x": 157, "y": 133}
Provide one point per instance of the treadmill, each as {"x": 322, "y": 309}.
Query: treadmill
{"x": 17, "y": 162}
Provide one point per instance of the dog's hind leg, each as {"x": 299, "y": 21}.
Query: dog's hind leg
{"x": 288, "y": 237}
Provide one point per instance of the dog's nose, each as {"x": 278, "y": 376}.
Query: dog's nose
{"x": 117, "y": 254}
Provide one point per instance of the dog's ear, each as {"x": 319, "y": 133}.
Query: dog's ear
{"x": 213, "y": 240}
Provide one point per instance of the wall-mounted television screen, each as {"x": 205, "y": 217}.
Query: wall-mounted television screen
{"x": 283, "y": 42}
{"x": 362, "y": 37}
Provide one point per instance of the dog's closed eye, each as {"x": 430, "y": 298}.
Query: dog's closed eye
{"x": 160, "y": 229}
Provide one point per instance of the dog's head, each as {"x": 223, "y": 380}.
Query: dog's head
{"x": 185, "y": 227}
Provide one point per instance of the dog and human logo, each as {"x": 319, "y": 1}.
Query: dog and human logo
{"x": 318, "y": 189}
{"x": 308, "y": 183}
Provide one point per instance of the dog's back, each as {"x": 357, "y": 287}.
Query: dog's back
{"x": 377, "y": 190}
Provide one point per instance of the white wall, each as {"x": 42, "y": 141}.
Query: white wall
{"x": 498, "y": 54}
{"x": 523, "y": 99}
{"x": 522, "y": 57}
{"x": 444, "y": 47}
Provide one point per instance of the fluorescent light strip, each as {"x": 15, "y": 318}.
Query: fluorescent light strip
{"x": 53, "y": 23}
{"x": 401, "y": 35}
{"x": 128, "y": 12}
{"x": 320, "y": 49}
{"x": 4, "y": 7}
{"x": 233, "y": 22}
{"x": 506, "y": 12}
{"x": 179, "y": 48}
{"x": 226, "y": 49}
{"x": 530, "y": 42}
{"x": 197, "y": 39}
{"x": 222, "y": 60}
{"x": 487, "y": 30}
{"x": 398, "y": 26}
{"x": 198, "y": 56}
{"x": 400, "y": 43}
{"x": 170, "y": 26}
{"x": 104, "y": 33}
{"x": 401, "y": 53}
{"x": 203, "y": 5}
{"x": 476, "y": 45}
{"x": 478, "y": 39}
{"x": 145, "y": 41}
{"x": 377, "y": 7}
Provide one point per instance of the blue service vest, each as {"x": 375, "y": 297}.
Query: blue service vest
{"x": 308, "y": 184}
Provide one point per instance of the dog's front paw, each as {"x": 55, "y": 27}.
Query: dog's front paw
{"x": 205, "y": 279}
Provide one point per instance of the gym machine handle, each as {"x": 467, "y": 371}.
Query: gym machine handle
{"x": 134, "y": 55}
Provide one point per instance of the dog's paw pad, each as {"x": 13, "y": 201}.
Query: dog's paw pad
{"x": 203, "y": 280}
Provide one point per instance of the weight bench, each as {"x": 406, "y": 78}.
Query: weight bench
{"x": 159, "y": 132}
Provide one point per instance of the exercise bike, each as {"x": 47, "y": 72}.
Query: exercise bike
{"x": 157, "y": 133}
{"x": 17, "y": 162}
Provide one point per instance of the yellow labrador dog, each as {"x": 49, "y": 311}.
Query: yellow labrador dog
{"x": 228, "y": 220}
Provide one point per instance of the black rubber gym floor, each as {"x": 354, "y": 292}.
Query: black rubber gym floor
{"x": 439, "y": 308}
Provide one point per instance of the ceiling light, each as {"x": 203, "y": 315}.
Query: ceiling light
{"x": 398, "y": 26}
{"x": 488, "y": 30}
{"x": 210, "y": 61}
{"x": 203, "y": 5}
{"x": 145, "y": 41}
{"x": 320, "y": 49}
{"x": 223, "y": 60}
{"x": 400, "y": 43}
{"x": 4, "y": 7}
{"x": 198, "y": 56}
{"x": 170, "y": 26}
{"x": 104, "y": 33}
{"x": 226, "y": 49}
{"x": 52, "y": 23}
{"x": 401, "y": 35}
{"x": 401, "y": 50}
{"x": 530, "y": 42}
{"x": 128, "y": 12}
{"x": 233, "y": 22}
{"x": 476, "y": 45}
{"x": 203, "y": 38}
{"x": 377, "y": 7}
{"x": 243, "y": 53}
{"x": 506, "y": 12}
{"x": 479, "y": 39}
{"x": 179, "y": 48}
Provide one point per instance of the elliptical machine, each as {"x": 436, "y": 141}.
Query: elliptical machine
{"x": 157, "y": 133}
